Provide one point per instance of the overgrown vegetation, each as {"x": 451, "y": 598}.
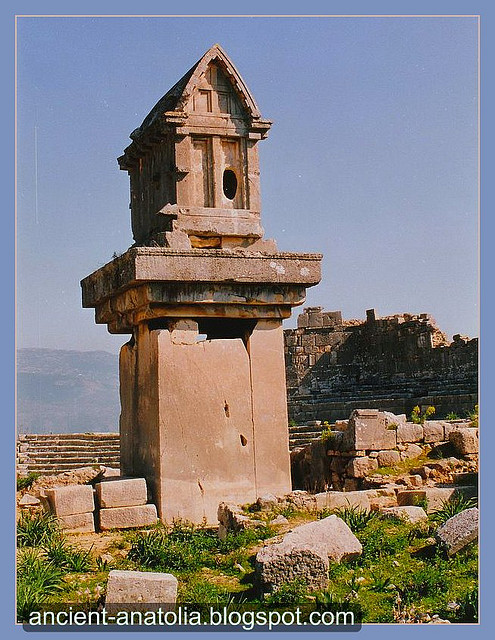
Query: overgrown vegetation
{"x": 24, "y": 482}
{"x": 399, "y": 575}
{"x": 452, "y": 507}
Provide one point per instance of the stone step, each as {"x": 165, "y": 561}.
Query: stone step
{"x": 55, "y": 468}
{"x": 62, "y": 448}
{"x": 70, "y": 454}
{"x": 304, "y": 428}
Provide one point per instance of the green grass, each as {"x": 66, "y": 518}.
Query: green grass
{"x": 399, "y": 571}
{"x": 26, "y": 481}
{"x": 37, "y": 529}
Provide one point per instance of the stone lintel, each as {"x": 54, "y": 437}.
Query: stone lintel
{"x": 142, "y": 265}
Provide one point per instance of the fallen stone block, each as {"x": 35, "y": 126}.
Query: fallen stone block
{"x": 304, "y": 553}
{"x": 140, "y": 591}
{"x": 232, "y": 518}
{"x": 71, "y": 499}
{"x": 459, "y": 531}
{"x": 331, "y": 532}
{"x": 407, "y": 514}
{"x": 279, "y": 521}
{"x": 411, "y": 451}
{"x": 388, "y": 458}
{"x": 127, "y": 517}
{"x": 267, "y": 502}
{"x": 361, "y": 467}
{"x": 336, "y": 499}
{"x": 409, "y": 432}
{"x": 435, "y": 496}
{"x": 465, "y": 441}
{"x": 392, "y": 420}
{"x": 277, "y": 564}
{"x": 77, "y": 523}
{"x": 128, "y": 492}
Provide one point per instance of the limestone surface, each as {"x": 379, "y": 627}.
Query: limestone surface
{"x": 408, "y": 513}
{"x": 140, "y": 591}
{"x": 336, "y": 499}
{"x": 128, "y": 492}
{"x": 361, "y": 467}
{"x": 465, "y": 440}
{"x": 388, "y": 458}
{"x": 459, "y": 531}
{"x": 78, "y": 523}
{"x": 305, "y": 553}
{"x": 127, "y": 517}
{"x": 71, "y": 499}
{"x": 409, "y": 432}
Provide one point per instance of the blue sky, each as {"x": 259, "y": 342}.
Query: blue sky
{"x": 371, "y": 160}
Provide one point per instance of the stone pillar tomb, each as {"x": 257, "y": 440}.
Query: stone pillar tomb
{"x": 203, "y": 296}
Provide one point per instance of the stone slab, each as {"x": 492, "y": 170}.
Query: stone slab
{"x": 128, "y": 492}
{"x": 127, "y": 517}
{"x": 78, "y": 523}
{"x": 435, "y": 496}
{"x": 409, "y": 432}
{"x": 459, "y": 531}
{"x": 71, "y": 499}
{"x": 332, "y": 533}
{"x": 366, "y": 431}
{"x": 407, "y": 514}
{"x": 140, "y": 591}
{"x": 337, "y": 499}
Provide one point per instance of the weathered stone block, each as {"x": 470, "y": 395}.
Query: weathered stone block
{"x": 433, "y": 431}
{"x": 231, "y": 518}
{"x": 332, "y": 533}
{"x": 407, "y": 514}
{"x": 305, "y": 552}
{"x": 459, "y": 531}
{"x": 127, "y": 517}
{"x": 434, "y": 496}
{"x": 361, "y": 467}
{"x": 465, "y": 441}
{"x": 128, "y": 492}
{"x": 366, "y": 431}
{"x": 71, "y": 499}
{"x": 277, "y": 564}
{"x": 393, "y": 420}
{"x": 409, "y": 432}
{"x": 77, "y": 523}
{"x": 411, "y": 451}
{"x": 337, "y": 499}
{"x": 140, "y": 591}
{"x": 388, "y": 458}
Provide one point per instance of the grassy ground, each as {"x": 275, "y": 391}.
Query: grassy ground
{"x": 400, "y": 576}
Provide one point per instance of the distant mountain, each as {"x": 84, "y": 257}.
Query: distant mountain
{"x": 67, "y": 391}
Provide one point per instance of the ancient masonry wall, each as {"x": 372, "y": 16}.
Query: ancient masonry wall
{"x": 334, "y": 366}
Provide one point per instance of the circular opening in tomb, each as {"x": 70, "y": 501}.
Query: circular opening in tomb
{"x": 229, "y": 184}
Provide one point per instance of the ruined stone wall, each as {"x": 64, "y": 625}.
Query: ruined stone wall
{"x": 393, "y": 363}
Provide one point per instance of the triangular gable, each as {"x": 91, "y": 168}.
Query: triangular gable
{"x": 179, "y": 95}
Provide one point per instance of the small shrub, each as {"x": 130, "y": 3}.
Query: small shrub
{"x": 427, "y": 580}
{"x": 36, "y": 530}
{"x": 420, "y": 417}
{"x": 355, "y": 517}
{"x": 452, "y": 416}
{"x": 452, "y": 507}
{"x": 26, "y": 481}
{"x": 474, "y": 416}
{"x": 67, "y": 558}
{"x": 380, "y": 540}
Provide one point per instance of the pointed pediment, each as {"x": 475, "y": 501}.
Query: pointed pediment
{"x": 212, "y": 85}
